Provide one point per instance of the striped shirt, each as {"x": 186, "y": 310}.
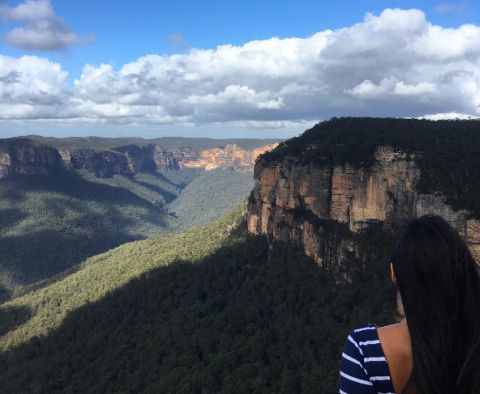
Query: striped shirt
{"x": 364, "y": 368}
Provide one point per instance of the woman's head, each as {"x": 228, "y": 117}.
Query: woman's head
{"x": 438, "y": 281}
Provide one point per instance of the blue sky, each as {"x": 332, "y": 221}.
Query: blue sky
{"x": 126, "y": 31}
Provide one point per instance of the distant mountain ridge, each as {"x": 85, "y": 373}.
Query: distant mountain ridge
{"x": 169, "y": 143}
{"x": 39, "y": 155}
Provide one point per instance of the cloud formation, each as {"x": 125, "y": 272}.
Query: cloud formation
{"x": 393, "y": 64}
{"x": 41, "y": 28}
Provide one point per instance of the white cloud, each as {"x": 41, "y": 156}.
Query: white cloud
{"x": 42, "y": 28}
{"x": 32, "y": 88}
{"x": 393, "y": 64}
{"x": 448, "y": 115}
{"x": 402, "y": 88}
{"x": 390, "y": 86}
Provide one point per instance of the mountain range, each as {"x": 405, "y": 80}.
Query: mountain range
{"x": 261, "y": 299}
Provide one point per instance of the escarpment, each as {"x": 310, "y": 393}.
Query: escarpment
{"x": 300, "y": 192}
{"x": 229, "y": 156}
{"x": 21, "y": 156}
{"x": 30, "y": 160}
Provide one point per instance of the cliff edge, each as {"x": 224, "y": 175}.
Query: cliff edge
{"x": 356, "y": 172}
{"x": 28, "y": 156}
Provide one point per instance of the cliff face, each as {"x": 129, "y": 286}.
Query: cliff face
{"x": 127, "y": 160}
{"x": 29, "y": 160}
{"x": 294, "y": 200}
{"x": 229, "y": 156}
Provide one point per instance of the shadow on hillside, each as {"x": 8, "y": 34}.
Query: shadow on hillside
{"x": 168, "y": 196}
{"x": 172, "y": 176}
{"x": 72, "y": 184}
{"x": 66, "y": 231}
{"x": 5, "y": 293}
{"x": 248, "y": 318}
{"x": 76, "y": 186}
{"x": 38, "y": 255}
{"x": 12, "y": 317}
{"x": 9, "y": 217}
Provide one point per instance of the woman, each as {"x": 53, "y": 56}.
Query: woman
{"x": 436, "y": 348}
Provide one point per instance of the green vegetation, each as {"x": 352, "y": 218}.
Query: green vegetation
{"x": 208, "y": 310}
{"x": 210, "y": 196}
{"x": 48, "y": 224}
{"x": 447, "y": 152}
{"x": 211, "y": 309}
{"x": 105, "y": 272}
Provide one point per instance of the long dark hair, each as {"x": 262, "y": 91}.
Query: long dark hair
{"x": 438, "y": 280}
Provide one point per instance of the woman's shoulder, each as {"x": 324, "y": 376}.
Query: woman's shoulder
{"x": 363, "y": 366}
{"x": 364, "y": 333}
{"x": 364, "y": 342}
{"x": 395, "y": 338}
{"x": 366, "y": 329}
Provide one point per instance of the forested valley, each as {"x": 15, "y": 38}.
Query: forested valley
{"x": 209, "y": 310}
{"x": 209, "y": 306}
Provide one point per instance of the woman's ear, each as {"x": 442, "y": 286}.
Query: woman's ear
{"x": 392, "y": 274}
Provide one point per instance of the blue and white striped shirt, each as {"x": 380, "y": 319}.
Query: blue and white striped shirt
{"x": 364, "y": 368}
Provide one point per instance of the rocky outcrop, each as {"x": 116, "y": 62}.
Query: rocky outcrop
{"x": 30, "y": 160}
{"x": 164, "y": 159}
{"x": 27, "y": 158}
{"x": 104, "y": 164}
{"x": 128, "y": 160}
{"x": 5, "y": 164}
{"x": 294, "y": 200}
{"x": 229, "y": 156}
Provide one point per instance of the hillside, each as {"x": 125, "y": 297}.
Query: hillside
{"x": 49, "y": 224}
{"x": 210, "y": 196}
{"x": 208, "y": 310}
{"x": 65, "y": 199}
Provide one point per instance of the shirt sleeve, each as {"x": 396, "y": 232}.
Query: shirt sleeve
{"x": 353, "y": 375}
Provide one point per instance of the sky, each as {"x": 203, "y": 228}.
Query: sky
{"x": 231, "y": 69}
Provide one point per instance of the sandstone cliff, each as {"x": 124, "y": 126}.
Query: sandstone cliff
{"x": 28, "y": 158}
{"x": 229, "y": 156}
{"x": 127, "y": 161}
{"x": 31, "y": 160}
{"x": 295, "y": 199}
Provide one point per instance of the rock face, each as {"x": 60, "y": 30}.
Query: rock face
{"x": 164, "y": 159}
{"x": 229, "y": 156}
{"x": 294, "y": 200}
{"x": 29, "y": 160}
{"x": 25, "y": 158}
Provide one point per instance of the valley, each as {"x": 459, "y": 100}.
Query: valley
{"x": 63, "y": 200}
{"x": 259, "y": 299}
{"x": 239, "y": 197}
